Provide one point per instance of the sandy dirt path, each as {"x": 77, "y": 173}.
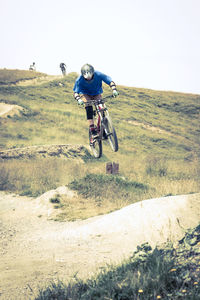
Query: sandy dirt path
{"x": 9, "y": 109}
{"x": 34, "y": 249}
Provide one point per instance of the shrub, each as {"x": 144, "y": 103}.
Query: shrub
{"x": 156, "y": 167}
{"x": 104, "y": 186}
{"x": 4, "y": 175}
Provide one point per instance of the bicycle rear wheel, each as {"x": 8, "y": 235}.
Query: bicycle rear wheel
{"x": 95, "y": 146}
{"x": 110, "y": 133}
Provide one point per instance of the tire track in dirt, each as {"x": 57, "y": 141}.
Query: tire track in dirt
{"x": 156, "y": 129}
{"x": 38, "y": 80}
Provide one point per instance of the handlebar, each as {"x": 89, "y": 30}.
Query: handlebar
{"x": 100, "y": 101}
{"x": 107, "y": 97}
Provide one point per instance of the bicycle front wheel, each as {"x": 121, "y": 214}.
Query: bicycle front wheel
{"x": 95, "y": 146}
{"x": 110, "y": 133}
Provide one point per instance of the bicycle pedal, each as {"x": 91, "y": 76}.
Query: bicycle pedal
{"x": 95, "y": 136}
{"x": 92, "y": 144}
{"x": 92, "y": 141}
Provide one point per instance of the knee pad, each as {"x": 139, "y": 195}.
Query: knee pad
{"x": 89, "y": 112}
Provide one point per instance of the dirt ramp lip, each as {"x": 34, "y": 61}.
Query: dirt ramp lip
{"x": 154, "y": 220}
{"x": 65, "y": 151}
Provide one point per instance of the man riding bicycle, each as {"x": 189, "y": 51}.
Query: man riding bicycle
{"x": 88, "y": 86}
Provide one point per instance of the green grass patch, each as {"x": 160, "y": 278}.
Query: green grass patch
{"x": 98, "y": 194}
{"x": 104, "y": 186}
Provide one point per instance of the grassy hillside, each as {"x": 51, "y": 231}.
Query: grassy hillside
{"x": 14, "y": 76}
{"x": 158, "y": 136}
{"x": 158, "y": 155}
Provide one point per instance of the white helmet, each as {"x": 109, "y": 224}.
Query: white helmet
{"x": 87, "y": 71}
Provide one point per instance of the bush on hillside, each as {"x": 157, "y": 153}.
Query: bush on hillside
{"x": 103, "y": 186}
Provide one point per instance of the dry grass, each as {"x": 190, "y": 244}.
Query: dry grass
{"x": 36, "y": 176}
{"x": 79, "y": 208}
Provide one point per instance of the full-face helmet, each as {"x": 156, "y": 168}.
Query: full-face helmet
{"x": 87, "y": 71}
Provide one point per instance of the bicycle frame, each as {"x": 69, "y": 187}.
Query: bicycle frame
{"x": 101, "y": 114}
{"x": 100, "y": 108}
{"x": 105, "y": 128}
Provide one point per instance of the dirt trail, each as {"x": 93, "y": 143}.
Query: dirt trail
{"x": 38, "y": 80}
{"x": 35, "y": 249}
{"x": 11, "y": 110}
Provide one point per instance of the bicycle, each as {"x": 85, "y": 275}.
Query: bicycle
{"x": 104, "y": 127}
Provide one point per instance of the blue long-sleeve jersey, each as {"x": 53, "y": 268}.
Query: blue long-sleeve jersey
{"x": 91, "y": 87}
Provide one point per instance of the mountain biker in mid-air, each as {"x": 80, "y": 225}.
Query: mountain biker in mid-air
{"x": 88, "y": 86}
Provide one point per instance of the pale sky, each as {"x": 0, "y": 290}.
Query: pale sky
{"x": 151, "y": 44}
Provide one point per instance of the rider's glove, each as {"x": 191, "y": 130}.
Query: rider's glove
{"x": 115, "y": 93}
{"x": 80, "y": 101}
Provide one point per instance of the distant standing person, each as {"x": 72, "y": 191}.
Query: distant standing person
{"x": 63, "y": 68}
{"x": 32, "y": 67}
